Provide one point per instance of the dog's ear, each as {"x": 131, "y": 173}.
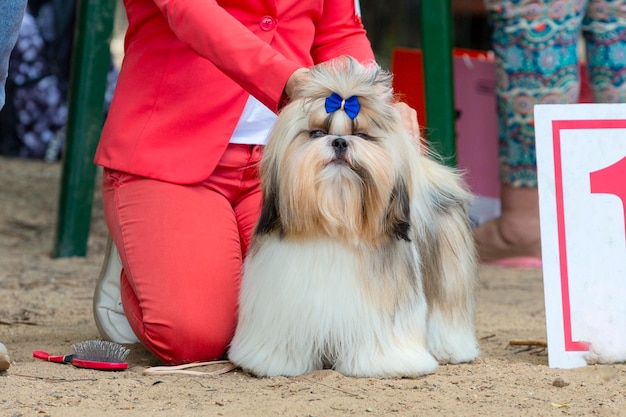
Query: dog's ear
{"x": 270, "y": 214}
{"x": 399, "y": 212}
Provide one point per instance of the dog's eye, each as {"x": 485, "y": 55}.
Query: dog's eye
{"x": 314, "y": 134}
{"x": 363, "y": 135}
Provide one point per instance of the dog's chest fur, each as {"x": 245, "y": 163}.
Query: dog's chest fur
{"x": 335, "y": 285}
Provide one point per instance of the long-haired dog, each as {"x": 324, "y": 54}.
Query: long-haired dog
{"x": 362, "y": 259}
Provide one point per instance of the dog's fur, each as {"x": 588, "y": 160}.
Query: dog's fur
{"x": 362, "y": 259}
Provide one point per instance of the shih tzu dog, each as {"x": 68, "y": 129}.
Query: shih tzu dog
{"x": 363, "y": 259}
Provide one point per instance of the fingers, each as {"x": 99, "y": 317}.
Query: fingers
{"x": 409, "y": 121}
{"x": 296, "y": 80}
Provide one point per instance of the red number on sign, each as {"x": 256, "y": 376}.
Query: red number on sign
{"x": 611, "y": 180}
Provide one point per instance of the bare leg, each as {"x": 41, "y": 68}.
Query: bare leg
{"x": 521, "y": 83}
{"x": 516, "y": 232}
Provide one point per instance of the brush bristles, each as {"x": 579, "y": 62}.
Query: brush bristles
{"x": 100, "y": 351}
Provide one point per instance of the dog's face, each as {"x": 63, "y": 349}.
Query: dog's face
{"x": 326, "y": 172}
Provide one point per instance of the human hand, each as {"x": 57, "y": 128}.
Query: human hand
{"x": 296, "y": 80}
{"x": 409, "y": 120}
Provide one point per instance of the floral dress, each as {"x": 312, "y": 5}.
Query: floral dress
{"x": 537, "y": 46}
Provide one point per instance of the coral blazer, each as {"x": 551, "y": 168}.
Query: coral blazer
{"x": 189, "y": 66}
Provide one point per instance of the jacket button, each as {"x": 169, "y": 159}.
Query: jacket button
{"x": 267, "y": 23}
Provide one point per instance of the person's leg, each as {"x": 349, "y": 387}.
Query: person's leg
{"x": 604, "y": 29}
{"x": 181, "y": 248}
{"x": 247, "y": 204}
{"x": 516, "y": 232}
{"x": 536, "y": 60}
{"x": 11, "y": 15}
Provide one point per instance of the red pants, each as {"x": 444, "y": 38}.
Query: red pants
{"x": 182, "y": 248}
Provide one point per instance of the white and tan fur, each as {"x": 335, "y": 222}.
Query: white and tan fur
{"x": 363, "y": 259}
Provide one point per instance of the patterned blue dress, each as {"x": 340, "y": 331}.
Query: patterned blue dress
{"x": 537, "y": 45}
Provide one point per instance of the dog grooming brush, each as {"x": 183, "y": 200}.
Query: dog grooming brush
{"x": 92, "y": 354}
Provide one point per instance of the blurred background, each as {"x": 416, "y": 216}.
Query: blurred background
{"x": 33, "y": 120}
{"x": 395, "y": 23}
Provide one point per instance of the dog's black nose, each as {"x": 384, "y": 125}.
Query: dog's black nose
{"x": 340, "y": 144}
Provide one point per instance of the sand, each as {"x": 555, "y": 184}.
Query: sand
{"x": 45, "y": 304}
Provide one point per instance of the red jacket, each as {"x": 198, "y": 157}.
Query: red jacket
{"x": 190, "y": 64}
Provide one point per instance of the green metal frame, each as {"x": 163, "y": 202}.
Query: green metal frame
{"x": 90, "y": 65}
{"x": 94, "y": 27}
{"x": 437, "y": 43}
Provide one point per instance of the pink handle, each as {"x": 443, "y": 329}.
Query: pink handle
{"x": 45, "y": 356}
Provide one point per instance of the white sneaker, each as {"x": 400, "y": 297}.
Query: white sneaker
{"x": 5, "y": 361}
{"x": 107, "y": 301}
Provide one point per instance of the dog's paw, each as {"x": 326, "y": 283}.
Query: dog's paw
{"x": 455, "y": 353}
{"x": 452, "y": 344}
{"x": 393, "y": 362}
{"x": 269, "y": 362}
{"x": 278, "y": 368}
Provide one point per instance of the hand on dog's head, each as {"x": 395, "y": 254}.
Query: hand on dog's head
{"x": 347, "y": 77}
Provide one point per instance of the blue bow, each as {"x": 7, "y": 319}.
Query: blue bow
{"x": 335, "y": 102}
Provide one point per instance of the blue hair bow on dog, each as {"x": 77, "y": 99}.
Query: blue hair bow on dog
{"x": 351, "y": 105}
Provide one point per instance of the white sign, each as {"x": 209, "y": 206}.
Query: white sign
{"x": 581, "y": 162}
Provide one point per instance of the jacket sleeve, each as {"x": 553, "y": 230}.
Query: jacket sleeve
{"x": 215, "y": 34}
{"x": 255, "y": 65}
{"x": 340, "y": 32}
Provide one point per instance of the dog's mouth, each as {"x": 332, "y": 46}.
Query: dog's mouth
{"x": 339, "y": 160}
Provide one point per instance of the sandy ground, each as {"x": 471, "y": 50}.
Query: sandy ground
{"x": 45, "y": 304}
